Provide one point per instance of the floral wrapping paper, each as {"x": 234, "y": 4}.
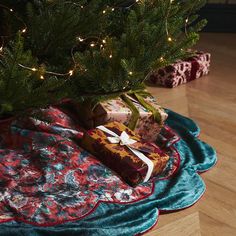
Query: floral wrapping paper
{"x": 117, "y": 110}
{"x": 182, "y": 72}
{"x": 119, "y": 158}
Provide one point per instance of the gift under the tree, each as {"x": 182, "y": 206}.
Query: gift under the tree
{"x": 122, "y": 150}
{"x": 182, "y": 71}
{"x": 140, "y": 113}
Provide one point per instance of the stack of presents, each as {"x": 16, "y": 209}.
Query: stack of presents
{"x": 122, "y": 132}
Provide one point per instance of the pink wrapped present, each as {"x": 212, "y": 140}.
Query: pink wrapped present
{"x": 118, "y": 110}
{"x": 182, "y": 72}
{"x": 200, "y": 65}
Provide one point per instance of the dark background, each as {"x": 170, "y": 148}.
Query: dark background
{"x": 221, "y": 16}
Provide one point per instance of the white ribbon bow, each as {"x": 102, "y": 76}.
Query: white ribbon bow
{"x": 125, "y": 140}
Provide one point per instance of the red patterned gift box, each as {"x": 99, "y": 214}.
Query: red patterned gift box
{"x": 117, "y": 110}
{"x": 122, "y": 156}
{"x": 200, "y": 65}
{"x": 182, "y": 71}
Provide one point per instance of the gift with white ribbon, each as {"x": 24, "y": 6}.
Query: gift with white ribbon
{"x": 125, "y": 140}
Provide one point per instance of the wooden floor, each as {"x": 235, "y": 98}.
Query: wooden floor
{"x": 211, "y": 102}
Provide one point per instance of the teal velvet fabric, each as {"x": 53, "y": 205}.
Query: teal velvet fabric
{"x": 178, "y": 192}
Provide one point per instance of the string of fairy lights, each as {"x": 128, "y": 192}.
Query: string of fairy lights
{"x": 98, "y": 41}
{"x": 2, "y": 37}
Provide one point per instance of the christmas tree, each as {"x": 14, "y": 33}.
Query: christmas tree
{"x": 88, "y": 50}
{"x": 20, "y": 88}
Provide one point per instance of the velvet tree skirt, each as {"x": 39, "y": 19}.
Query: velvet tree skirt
{"x": 50, "y": 186}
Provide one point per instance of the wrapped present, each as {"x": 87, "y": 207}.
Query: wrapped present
{"x": 200, "y": 65}
{"x": 122, "y": 150}
{"x": 182, "y": 71}
{"x": 148, "y": 121}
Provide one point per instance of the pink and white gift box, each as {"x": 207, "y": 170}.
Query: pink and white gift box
{"x": 182, "y": 71}
{"x": 200, "y": 64}
{"x": 117, "y": 110}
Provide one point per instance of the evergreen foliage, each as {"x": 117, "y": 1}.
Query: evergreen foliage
{"x": 111, "y": 46}
{"x": 152, "y": 36}
{"x": 52, "y": 31}
{"x": 21, "y": 89}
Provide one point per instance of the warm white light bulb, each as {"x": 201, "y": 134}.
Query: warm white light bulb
{"x": 80, "y": 39}
{"x": 110, "y": 56}
{"x": 70, "y": 72}
{"x": 1, "y": 48}
{"x": 34, "y": 69}
{"x": 113, "y": 9}
{"x": 11, "y": 10}
{"x": 104, "y": 41}
{"x": 130, "y": 73}
{"x": 41, "y": 77}
{"x": 92, "y": 45}
{"x": 104, "y": 11}
{"x": 169, "y": 39}
{"x": 24, "y": 30}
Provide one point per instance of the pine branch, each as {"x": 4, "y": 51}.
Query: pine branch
{"x": 115, "y": 46}
{"x": 22, "y": 89}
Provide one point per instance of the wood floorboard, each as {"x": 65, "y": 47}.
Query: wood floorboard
{"x": 211, "y": 102}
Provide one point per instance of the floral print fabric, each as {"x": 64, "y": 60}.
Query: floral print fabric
{"x": 47, "y": 179}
